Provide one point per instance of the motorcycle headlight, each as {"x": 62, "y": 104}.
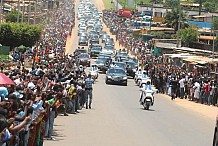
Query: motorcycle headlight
{"x": 124, "y": 78}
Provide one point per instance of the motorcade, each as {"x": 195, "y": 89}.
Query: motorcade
{"x": 146, "y": 98}
{"x": 109, "y": 41}
{"x": 83, "y": 41}
{"x": 93, "y": 70}
{"x": 94, "y": 39}
{"x": 104, "y": 37}
{"x": 109, "y": 47}
{"x": 95, "y": 51}
{"x": 100, "y": 62}
{"x": 131, "y": 68}
{"x": 84, "y": 59}
{"x": 121, "y": 55}
{"x": 215, "y": 136}
{"x": 116, "y": 75}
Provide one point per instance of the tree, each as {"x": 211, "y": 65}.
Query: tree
{"x": 172, "y": 19}
{"x": 209, "y": 6}
{"x": 12, "y": 16}
{"x": 215, "y": 23}
{"x": 188, "y": 35}
{"x": 16, "y": 34}
{"x": 171, "y": 3}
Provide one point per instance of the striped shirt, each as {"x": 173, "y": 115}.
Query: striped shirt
{"x": 88, "y": 83}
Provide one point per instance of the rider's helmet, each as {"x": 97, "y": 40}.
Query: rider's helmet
{"x": 148, "y": 82}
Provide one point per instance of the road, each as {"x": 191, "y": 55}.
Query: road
{"x": 117, "y": 119}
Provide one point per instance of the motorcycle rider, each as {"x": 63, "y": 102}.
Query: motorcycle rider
{"x": 147, "y": 87}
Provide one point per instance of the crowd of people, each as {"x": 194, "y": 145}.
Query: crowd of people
{"x": 196, "y": 85}
{"x": 54, "y": 85}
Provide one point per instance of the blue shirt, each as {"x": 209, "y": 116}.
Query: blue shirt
{"x": 3, "y": 92}
{"x": 88, "y": 83}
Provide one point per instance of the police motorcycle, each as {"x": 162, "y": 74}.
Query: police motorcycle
{"x": 147, "y": 96}
{"x": 93, "y": 70}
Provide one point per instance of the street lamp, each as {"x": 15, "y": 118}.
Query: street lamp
{"x": 179, "y": 25}
{"x": 18, "y": 15}
{"x": 1, "y": 6}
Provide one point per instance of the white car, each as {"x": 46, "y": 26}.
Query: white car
{"x": 93, "y": 70}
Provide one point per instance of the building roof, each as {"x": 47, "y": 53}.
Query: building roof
{"x": 203, "y": 37}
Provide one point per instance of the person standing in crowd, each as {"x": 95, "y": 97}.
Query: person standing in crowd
{"x": 182, "y": 87}
{"x": 88, "y": 88}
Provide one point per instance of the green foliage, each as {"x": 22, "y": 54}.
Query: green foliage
{"x": 16, "y": 34}
{"x": 162, "y": 35}
{"x": 172, "y": 19}
{"x": 12, "y": 16}
{"x": 209, "y": 6}
{"x": 188, "y": 35}
{"x": 216, "y": 43}
{"x": 171, "y": 3}
{"x": 215, "y": 23}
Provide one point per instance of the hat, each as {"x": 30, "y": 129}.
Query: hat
{"x": 31, "y": 85}
{"x": 18, "y": 95}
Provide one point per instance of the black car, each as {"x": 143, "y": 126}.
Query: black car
{"x": 83, "y": 41}
{"x": 95, "y": 51}
{"x": 109, "y": 41}
{"x": 215, "y": 137}
{"x": 94, "y": 39}
{"x": 116, "y": 75}
{"x": 104, "y": 37}
{"x": 83, "y": 59}
{"x": 109, "y": 47}
{"x": 100, "y": 62}
{"x": 121, "y": 55}
{"x": 131, "y": 68}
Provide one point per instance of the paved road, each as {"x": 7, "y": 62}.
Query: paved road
{"x": 117, "y": 119}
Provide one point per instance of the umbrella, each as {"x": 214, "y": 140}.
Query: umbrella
{"x": 21, "y": 47}
{"x": 4, "y": 80}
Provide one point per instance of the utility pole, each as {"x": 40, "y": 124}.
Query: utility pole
{"x": 35, "y": 7}
{"x": 179, "y": 25}
{"x": 29, "y": 11}
{"x": 117, "y": 5}
{"x": 23, "y": 8}
{"x": 18, "y": 15}
{"x": 1, "y": 13}
{"x": 213, "y": 34}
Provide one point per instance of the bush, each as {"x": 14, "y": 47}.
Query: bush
{"x": 16, "y": 34}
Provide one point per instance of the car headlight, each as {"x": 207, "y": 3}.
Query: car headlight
{"x": 124, "y": 78}
{"x": 109, "y": 77}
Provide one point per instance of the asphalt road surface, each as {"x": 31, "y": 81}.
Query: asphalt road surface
{"x": 117, "y": 119}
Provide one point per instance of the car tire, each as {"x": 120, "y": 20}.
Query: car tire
{"x": 106, "y": 82}
{"x": 125, "y": 84}
{"x": 215, "y": 138}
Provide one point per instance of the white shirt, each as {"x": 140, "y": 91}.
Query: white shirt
{"x": 181, "y": 82}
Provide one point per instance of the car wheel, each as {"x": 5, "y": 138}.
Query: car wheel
{"x": 125, "y": 84}
{"x": 106, "y": 82}
{"x": 215, "y": 138}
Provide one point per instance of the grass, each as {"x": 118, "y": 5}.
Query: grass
{"x": 108, "y": 5}
{"x": 124, "y": 3}
{"x": 5, "y": 57}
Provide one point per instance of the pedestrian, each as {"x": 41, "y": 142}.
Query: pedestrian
{"x": 88, "y": 88}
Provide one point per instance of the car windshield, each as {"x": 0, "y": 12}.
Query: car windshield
{"x": 101, "y": 60}
{"x": 144, "y": 75}
{"x": 120, "y": 64}
{"x": 83, "y": 56}
{"x": 109, "y": 47}
{"x": 116, "y": 71}
{"x": 122, "y": 54}
{"x": 131, "y": 64}
{"x": 96, "y": 49}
